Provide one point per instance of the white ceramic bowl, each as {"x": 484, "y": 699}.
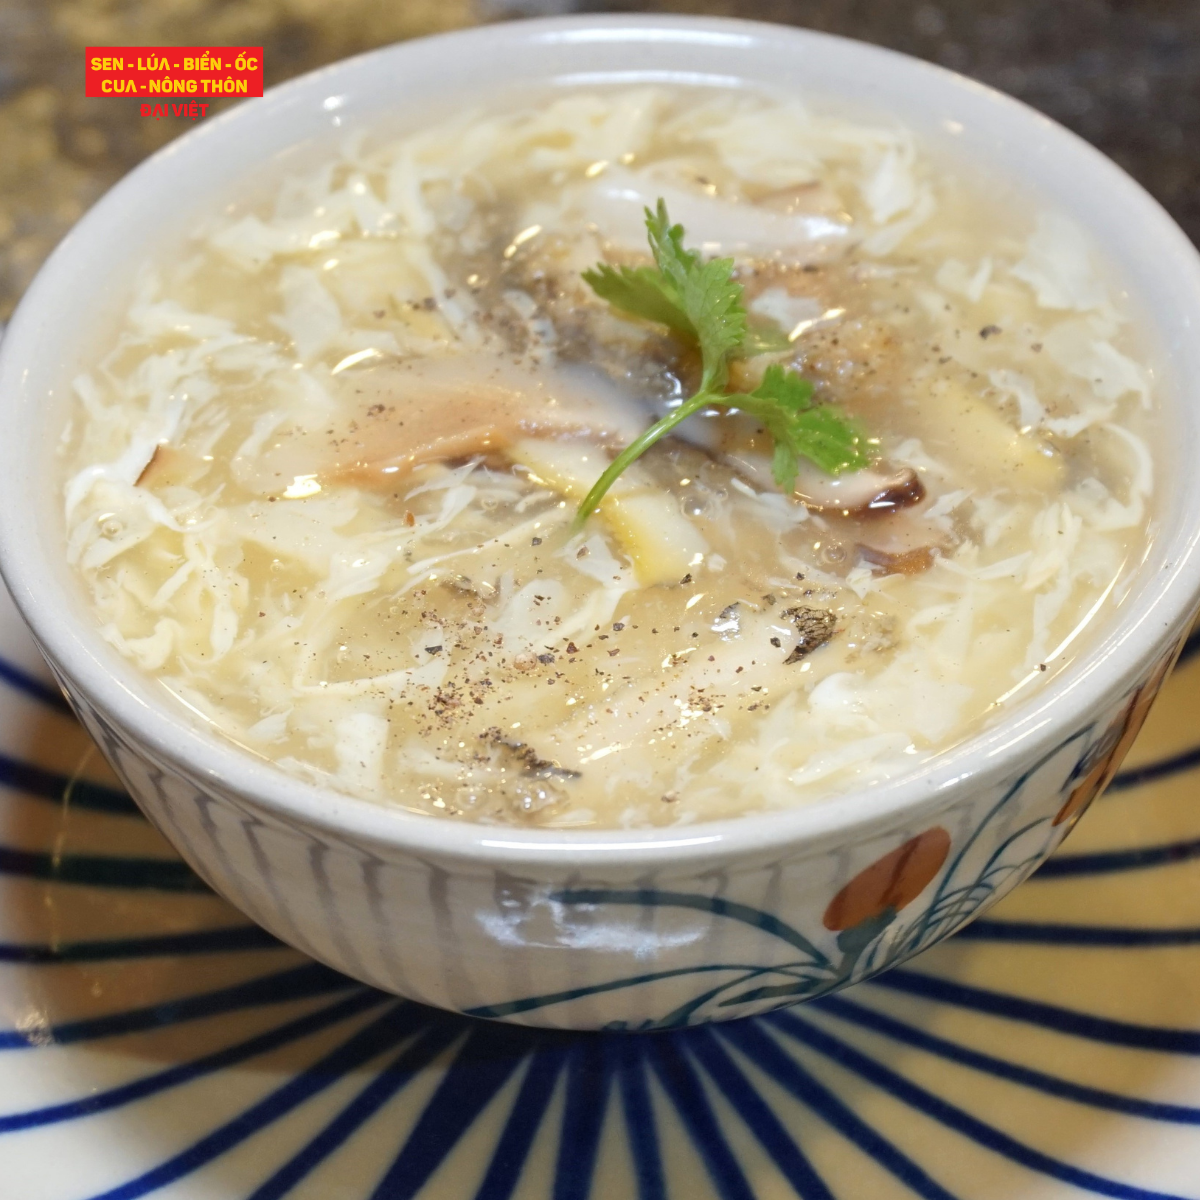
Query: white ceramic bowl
{"x": 644, "y": 928}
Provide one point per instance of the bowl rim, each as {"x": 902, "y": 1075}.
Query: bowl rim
{"x": 123, "y": 694}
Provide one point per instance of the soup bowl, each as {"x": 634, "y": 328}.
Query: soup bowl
{"x": 634, "y": 929}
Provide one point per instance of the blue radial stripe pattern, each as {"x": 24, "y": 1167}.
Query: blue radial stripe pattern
{"x": 152, "y": 1043}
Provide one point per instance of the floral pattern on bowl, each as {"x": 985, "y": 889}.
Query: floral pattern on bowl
{"x": 875, "y": 908}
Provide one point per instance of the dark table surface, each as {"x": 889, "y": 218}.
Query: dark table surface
{"x": 1123, "y": 73}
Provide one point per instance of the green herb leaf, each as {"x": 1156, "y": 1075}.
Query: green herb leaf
{"x": 699, "y": 300}
{"x": 762, "y": 337}
{"x": 666, "y": 244}
{"x": 703, "y": 302}
{"x": 788, "y": 389}
{"x": 652, "y": 293}
{"x": 640, "y": 292}
{"x": 822, "y": 433}
{"x": 705, "y": 291}
{"x": 713, "y": 303}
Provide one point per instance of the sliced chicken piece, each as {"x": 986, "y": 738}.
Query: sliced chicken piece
{"x": 616, "y": 200}
{"x": 811, "y": 199}
{"x": 394, "y": 417}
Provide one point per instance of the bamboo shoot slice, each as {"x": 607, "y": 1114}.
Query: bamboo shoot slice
{"x": 663, "y": 544}
{"x": 991, "y": 452}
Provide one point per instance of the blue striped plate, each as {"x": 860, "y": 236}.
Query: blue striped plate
{"x": 152, "y": 1043}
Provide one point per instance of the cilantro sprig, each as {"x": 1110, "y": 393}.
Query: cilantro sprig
{"x": 702, "y": 302}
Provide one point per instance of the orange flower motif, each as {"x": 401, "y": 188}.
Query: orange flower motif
{"x": 1100, "y": 776}
{"x": 892, "y": 882}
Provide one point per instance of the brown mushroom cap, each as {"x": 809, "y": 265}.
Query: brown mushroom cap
{"x": 873, "y": 491}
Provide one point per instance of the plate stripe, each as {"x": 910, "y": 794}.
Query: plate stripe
{"x": 1054, "y": 934}
{"x": 640, "y": 1125}
{"x": 380, "y": 1035}
{"x": 524, "y": 1120}
{"x": 203, "y": 941}
{"x": 910, "y": 1035}
{"x": 955, "y": 1118}
{"x": 587, "y": 1100}
{"x": 1164, "y": 768}
{"x": 105, "y": 871}
{"x": 161, "y": 1081}
{"x": 751, "y": 1040}
{"x": 296, "y": 983}
{"x": 37, "y": 781}
{"x": 1106, "y": 861}
{"x": 397, "y": 1074}
{"x": 759, "y": 1118}
{"x": 30, "y": 685}
{"x": 1035, "y": 1012}
{"x": 479, "y": 1070}
{"x": 683, "y": 1086}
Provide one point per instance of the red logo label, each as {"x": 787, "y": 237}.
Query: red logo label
{"x": 176, "y": 72}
